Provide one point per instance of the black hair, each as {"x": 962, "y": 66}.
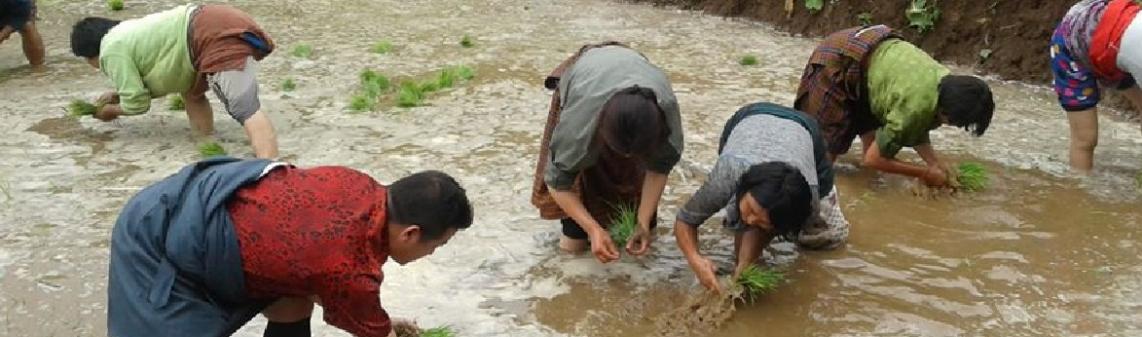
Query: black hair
{"x": 432, "y": 200}
{"x": 87, "y": 35}
{"x": 783, "y": 192}
{"x": 632, "y": 123}
{"x": 966, "y": 101}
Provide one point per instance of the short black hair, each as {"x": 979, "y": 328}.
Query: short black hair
{"x": 432, "y": 200}
{"x": 87, "y": 35}
{"x": 632, "y": 123}
{"x": 783, "y": 192}
{"x": 966, "y": 101}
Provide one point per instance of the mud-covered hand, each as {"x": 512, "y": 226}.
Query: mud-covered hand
{"x": 706, "y": 272}
{"x": 936, "y": 176}
{"x": 602, "y": 246}
{"x": 639, "y": 242}
{"x": 109, "y": 112}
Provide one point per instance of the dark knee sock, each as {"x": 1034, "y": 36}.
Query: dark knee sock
{"x": 287, "y": 329}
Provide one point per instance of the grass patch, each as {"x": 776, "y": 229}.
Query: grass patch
{"x": 115, "y": 5}
{"x": 467, "y": 42}
{"x": 288, "y": 85}
{"x": 302, "y": 50}
{"x": 921, "y": 16}
{"x": 176, "y": 103}
{"x": 756, "y": 281}
{"x": 374, "y": 84}
{"x": 80, "y": 108}
{"x": 383, "y": 47}
{"x": 748, "y": 60}
{"x": 211, "y": 149}
{"x": 409, "y": 95}
{"x": 438, "y": 332}
{"x": 624, "y": 223}
{"x": 362, "y": 103}
{"x": 814, "y": 5}
{"x": 972, "y": 177}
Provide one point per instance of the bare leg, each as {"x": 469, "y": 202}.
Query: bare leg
{"x": 33, "y": 46}
{"x": 570, "y": 245}
{"x": 1134, "y": 94}
{"x": 200, "y": 114}
{"x": 1084, "y": 138}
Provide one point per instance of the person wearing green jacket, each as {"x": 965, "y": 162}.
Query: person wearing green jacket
{"x": 868, "y": 82}
{"x": 182, "y": 51}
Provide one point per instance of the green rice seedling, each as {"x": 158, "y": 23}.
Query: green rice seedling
{"x": 429, "y": 86}
{"x": 409, "y": 95}
{"x": 374, "y": 84}
{"x": 383, "y": 47}
{"x": 211, "y": 149}
{"x": 176, "y": 103}
{"x": 814, "y": 5}
{"x": 921, "y": 16}
{"x": 115, "y": 5}
{"x": 79, "y": 108}
{"x": 438, "y": 332}
{"x": 865, "y": 19}
{"x": 288, "y": 85}
{"x": 447, "y": 78}
{"x": 756, "y": 281}
{"x": 362, "y": 103}
{"x": 465, "y": 72}
{"x": 971, "y": 177}
{"x": 302, "y": 51}
{"x": 467, "y": 42}
{"x": 1138, "y": 180}
{"x": 624, "y": 223}
{"x": 748, "y": 60}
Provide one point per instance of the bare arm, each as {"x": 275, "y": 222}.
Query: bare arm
{"x": 933, "y": 176}
{"x": 601, "y": 244}
{"x": 653, "y": 185}
{"x": 753, "y": 243}
{"x": 262, "y": 135}
{"x": 687, "y": 237}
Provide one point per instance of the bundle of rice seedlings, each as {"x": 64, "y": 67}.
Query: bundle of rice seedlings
{"x": 748, "y": 60}
{"x": 447, "y": 77}
{"x": 211, "y": 149}
{"x": 438, "y": 332}
{"x": 115, "y": 5}
{"x": 624, "y": 223}
{"x": 465, "y": 72}
{"x": 374, "y": 84}
{"x": 288, "y": 85}
{"x": 466, "y": 42}
{"x": 429, "y": 86}
{"x": 971, "y": 177}
{"x": 383, "y": 47}
{"x": 302, "y": 50}
{"x": 755, "y": 281}
{"x": 361, "y": 103}
{"x": 409, "y": 95}
{"x": 176, "y": 103}
{"x": 79, "y": 108}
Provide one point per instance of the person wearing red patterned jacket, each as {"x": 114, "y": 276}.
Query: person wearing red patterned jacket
{"x": 204, "y": 251}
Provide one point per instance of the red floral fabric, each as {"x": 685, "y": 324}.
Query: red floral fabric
{"x": 318, "y": 231}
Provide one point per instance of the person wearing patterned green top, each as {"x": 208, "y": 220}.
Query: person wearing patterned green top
{"x": 867, "y": 82}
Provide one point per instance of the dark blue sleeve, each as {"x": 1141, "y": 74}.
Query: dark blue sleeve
{"x": 15, "y": 13}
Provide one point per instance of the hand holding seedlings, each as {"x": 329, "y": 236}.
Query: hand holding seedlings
{"x": 108, "y": 113}
{"x": 602, "y": 246}
{"x": 706, "y": 272}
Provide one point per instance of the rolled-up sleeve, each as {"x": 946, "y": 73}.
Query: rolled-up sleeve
{"x": 715, "y": 193}
{"x": 134, "y": 98}
{"x": 352, "y": 303}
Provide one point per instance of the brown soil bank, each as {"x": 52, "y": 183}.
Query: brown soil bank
{"x": 1013, "y": 34}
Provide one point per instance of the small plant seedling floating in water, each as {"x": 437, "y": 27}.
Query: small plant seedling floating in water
{"x": 755, "y": 281}
{"x": 438, "y": 332}
{"x": 623, "y": 224}
{"x": 211, "y": 149}
{"x": 302, "y": 51}
{"x": 115, "y": 5}
{"x": 748, "y": 60}
{"x": 971, "y": 177}
{"x": 383, "y": 47}
{"x": 288, "y": 85}
{"x": 80, "y": 108}
{"x": 176, "y": 103}
{"x": 467, "y": 42}
{"x": 409, "y": 95}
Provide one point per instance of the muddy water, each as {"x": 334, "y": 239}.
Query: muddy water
{"x": 1039, "y": 254}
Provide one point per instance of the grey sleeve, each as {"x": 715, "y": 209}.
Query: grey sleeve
{"x": 716, "y": 193}
{"x": 238, "y": 90}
